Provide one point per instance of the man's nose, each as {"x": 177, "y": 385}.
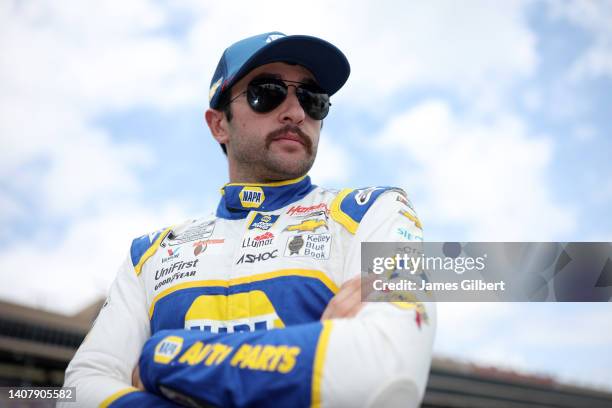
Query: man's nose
{"x": 290, "y": 110}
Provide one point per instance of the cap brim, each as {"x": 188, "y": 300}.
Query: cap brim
{"x": 327, "y": 63}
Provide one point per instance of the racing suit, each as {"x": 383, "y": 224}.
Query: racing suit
{"x": 194, "y": 305}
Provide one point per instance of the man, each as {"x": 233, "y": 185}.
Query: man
{"x": 260, "y": 303}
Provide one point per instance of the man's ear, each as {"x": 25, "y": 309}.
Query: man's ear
{"x": 217, "y": 125}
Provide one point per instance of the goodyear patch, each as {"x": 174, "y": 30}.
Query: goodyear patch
{"x": 263, "y": 221}
{"x": 251, "y": 197}
{"x": 167, "y": 349}
{"x": 241, "y": 312}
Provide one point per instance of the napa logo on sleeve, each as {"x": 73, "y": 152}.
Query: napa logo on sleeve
{"x": 263, "y": 221}
{"x": 241, "y": 312}
{"x": 251, "y": 197}
{"x": 167, "y": 349}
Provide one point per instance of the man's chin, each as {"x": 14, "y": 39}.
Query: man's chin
{"x": 288, "y": 167}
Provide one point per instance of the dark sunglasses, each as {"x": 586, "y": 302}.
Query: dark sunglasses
{"x": 266, "y": 94}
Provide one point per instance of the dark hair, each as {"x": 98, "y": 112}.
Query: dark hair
{"x": 226, "y": 107}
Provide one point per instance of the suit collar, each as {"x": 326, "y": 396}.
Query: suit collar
{"x": 237, "y": 199}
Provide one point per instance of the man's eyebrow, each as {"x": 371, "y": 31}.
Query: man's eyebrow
{"x": 267, "y": 75}
{"x": 310, "y": 81}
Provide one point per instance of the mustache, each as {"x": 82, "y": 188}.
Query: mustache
{"x": 304, "y": 138}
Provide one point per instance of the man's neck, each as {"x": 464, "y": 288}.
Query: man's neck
{"x": 254, "y": 177}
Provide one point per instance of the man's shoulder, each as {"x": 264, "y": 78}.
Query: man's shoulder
{"x": 145, "y": 246}
{"x": 350, "y": 205}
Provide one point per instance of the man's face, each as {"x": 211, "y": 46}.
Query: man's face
{"x": 277, "y": 145}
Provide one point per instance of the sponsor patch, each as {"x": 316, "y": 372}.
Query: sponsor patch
{"x": 404, "y": 233}
{"x": 310, "y": 225}
{"x": 420, "y": 316}
{"x": 173, "y": 253}
{"x": 249, "y": 311}
{"x": 363, "y": 196}
{"x": 298, "y": 210}
{"x": 259, "y": 241}
{"x": 167, "y": 349}
{"x": 404, "y": 201}
{"x": 177, "y": 271}
{"x": 263, "y": 221}
{"x": 316, "y": 246}
{"x": 252, "y": 258}
{"x": 199, "y": 231}
{"x": 200, "y": 246}
{"x": 251, "y": 197}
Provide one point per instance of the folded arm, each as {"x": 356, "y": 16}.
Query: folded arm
{"x": 380, "y": 357}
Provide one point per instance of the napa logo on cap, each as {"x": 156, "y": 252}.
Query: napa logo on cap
{"x": 167, "y": 349}
{"x": 241, "y": 312}
{"x": 251, "y": 197}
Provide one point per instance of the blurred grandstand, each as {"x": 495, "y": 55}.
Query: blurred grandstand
{"x": 35, "y": 347}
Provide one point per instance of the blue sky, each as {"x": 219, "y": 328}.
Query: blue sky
{"x": 494, "y": 116}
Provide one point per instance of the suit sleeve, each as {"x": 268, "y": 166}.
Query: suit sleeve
{"x": 379, "y": 358}
{"x": 101, "y": 369}
{"x": 392, "y": 343}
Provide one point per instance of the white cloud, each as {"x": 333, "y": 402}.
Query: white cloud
{"x": 65, "y": 54}
{"x": 10, "y": 209}
{"x": 333, "y": 163}
{"x": 63, "y": 65}
{"x": 538, "y": 338}
{"x": 586, "y": 326}
{"x": 89, "y": 169}
{"x": 594, "y": 17}
{"x": 476, "y": 50}
{"x": 485, "y": 175}
{"x": 584, "y": 132}
{"x": 66, "y": 272}
{"x": 469, "y": 322}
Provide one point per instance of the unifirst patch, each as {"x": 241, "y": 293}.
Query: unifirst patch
{"x": 251, "y": 197}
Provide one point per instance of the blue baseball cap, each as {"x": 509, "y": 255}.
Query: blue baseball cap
{"x": 326, "y": 62}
